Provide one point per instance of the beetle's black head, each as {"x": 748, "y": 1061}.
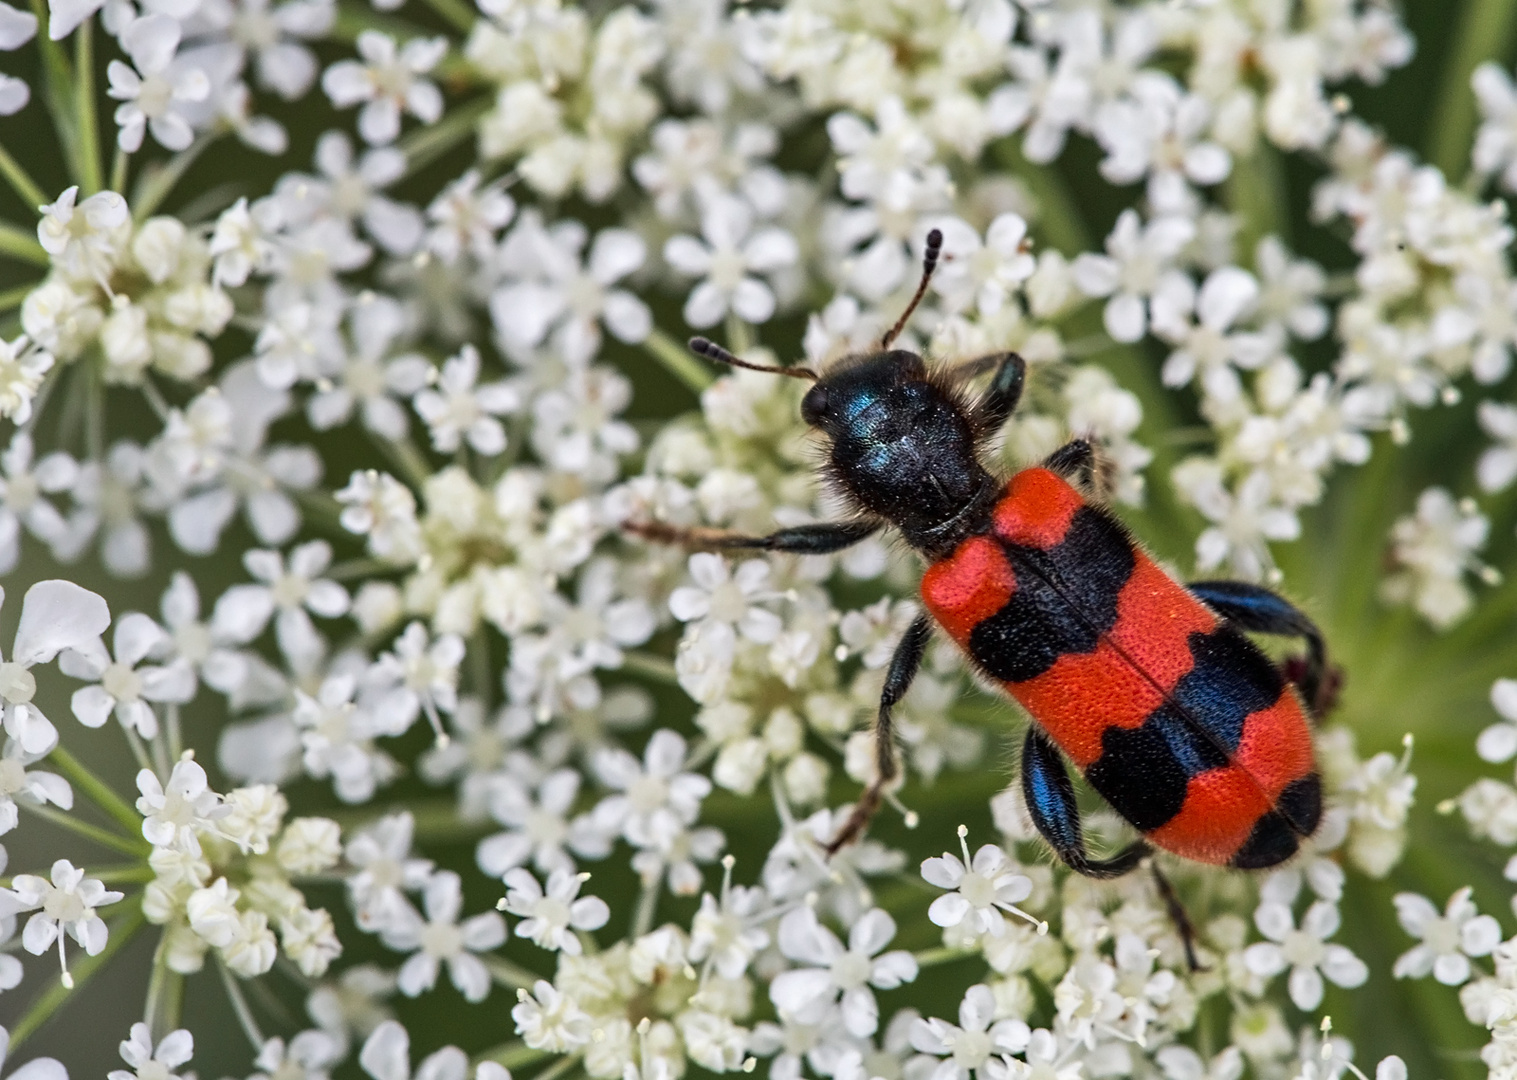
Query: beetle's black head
{"x": 902, "y": 447}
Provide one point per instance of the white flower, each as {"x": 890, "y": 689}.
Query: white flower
{"x": 440, "y": 938}
{"x": 55, "y": 616}
{"x": 34, "y": 787}
{"x": 726, "y": 260}
{"x": 1448, "y": 940}
{"x": 458, "y": 409}
{"x": 720, "y": 598}
{"x": 16, "y": 29}
{"x": 550, "y": 918}
{"x": 466, "y": 216}
{"x": 983, "y": 887}
{"x": 289, "y": 592}
{"x": 1244, "y": 520}
{"x": 425, "y": 677}
{"x": 154, "y": 96}
{"x": 351, "y": 192}
{"x": 1201, "y": 324}
{"x": 386, "y": 1055}
{"x": 550, "y": 1020}
{"x": 1497, "y": 467}
{"x": 985, "y": 275}
{"x": 1047, "y": 1060}
{"x": 387, "y": 80}
{"x": 729, "y": 933}
{"x": 37, "y": 1069}
{"x": 84, "y": 240}
{"x": 1434, "y": 549}
{"x": 554, "y": 295}
{"x": 972, "y": 1045}
{"x": 1498, "y": 742}
{"x": 337, "y": 738}
{"x": 120, "y": 684}
{"x": 67, "y": 904}
{"x": 1304, "y": 951}
{"x": 1290, "y": 291}
{"x": 385, "y": 869}
{"x": 850, "y": 971}
{"x": 150, "y": 1063}
{"x": 658, "y": 799}
{"x": 173, "y": 814}
{"x": 536, "y": 829}
{"x": 24, "y": 485}
{"x": 22, "y": 367}
{"x": 1495, "y": 149}
{"x": 1136, "y": 257}
{"x": 310, "y": 1055}
{"x": 1159, "y": 130}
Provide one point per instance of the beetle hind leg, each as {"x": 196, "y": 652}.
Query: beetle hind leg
{"x": 1253, "y": 607}
{"x": 1050, "y": 797}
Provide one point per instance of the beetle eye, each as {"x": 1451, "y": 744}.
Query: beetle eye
{"x": 815, "y": 405}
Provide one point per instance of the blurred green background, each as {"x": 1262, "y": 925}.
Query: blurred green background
{"x": 1401, "y": 676}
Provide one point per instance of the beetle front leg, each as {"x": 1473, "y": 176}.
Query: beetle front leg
{"x": 1005, "y": 390}
{"x": 823, "y": 538}
{"x": 1253, "y": 607}
{"x": 903, "y": 669}
{"x": 1050, "y": 798}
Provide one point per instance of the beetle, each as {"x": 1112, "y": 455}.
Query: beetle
{"x": 1148, "y": 686}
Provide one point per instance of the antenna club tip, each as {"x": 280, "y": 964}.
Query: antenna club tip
{"x": 935, "y": 238}
{"x": 701, "y": 346}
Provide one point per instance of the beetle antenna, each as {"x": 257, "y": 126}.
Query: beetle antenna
{"x": 929, "y": 264}
{"x": 712, "y": 351}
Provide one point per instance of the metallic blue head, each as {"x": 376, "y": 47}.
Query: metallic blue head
{"x": 903, "y": 446}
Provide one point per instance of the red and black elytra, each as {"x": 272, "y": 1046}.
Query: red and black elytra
{"x": 1148, "y": 686}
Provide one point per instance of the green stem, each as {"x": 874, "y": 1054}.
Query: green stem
{"x": 455, "y": 12}
{"x": 84, "y": 97}
{"x": 1484, "y": 33}
{"x": 1058, "y": 220}
{"x": 932, "y": 957}
{"x": 21, "y": 182}
{"x": 98, "y": 791}
{"x": 122, "y": 931}
{"x": 59, "y": 91}
{"x": 1255, "y": 191}
{"x": 240, "y": 1006}
{"x": 14, "y": 298}
{"x": 678, "y": 360}
{"x": 118, "y": 169}
{"x": 651, "y": 666}
{"x": 103, "y": 837}
{"x": 513, "y": 1055}
{"x": 558, "y": 1068}
{"x": 509, "y": 973}
{"x": 20, "y": 244}
{"x": 425, "y": 145}
{"x": 647, "y": 905}
{"x": 155, "y": 984}
{"x": 158, "y": 180}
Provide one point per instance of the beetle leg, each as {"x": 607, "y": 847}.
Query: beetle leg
{"x": 1076, "y": 460}
{"x": 823, "y": 538}
{"x": 1005, "y": 389}
{"x": 898, "y": 677}
{"x": 1253, "y": 607}
{"x": 1177, "y": 915}
{"x": 1050, "y": 798}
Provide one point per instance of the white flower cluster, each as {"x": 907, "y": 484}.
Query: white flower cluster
{"x": 389, "y": 456}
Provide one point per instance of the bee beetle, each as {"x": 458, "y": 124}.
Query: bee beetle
{"x": 1147, "y": 685}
